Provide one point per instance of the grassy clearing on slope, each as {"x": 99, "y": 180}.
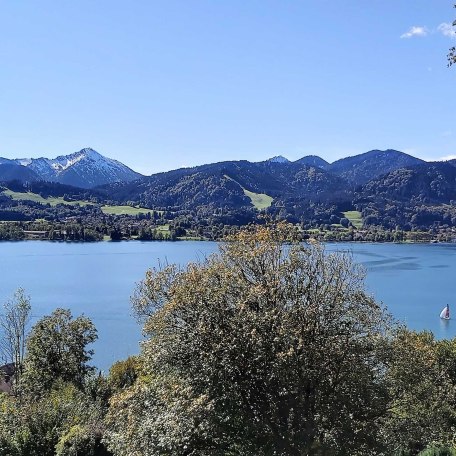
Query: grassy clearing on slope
{"x": 259, "y": 200}
{"x": 124, "y": 210}
{"x": 163, "y": 228}
{"x": 355, "y": 218}
{"x": 52, "y": 200}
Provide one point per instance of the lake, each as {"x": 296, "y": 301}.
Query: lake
{"x": 415, "y": 281}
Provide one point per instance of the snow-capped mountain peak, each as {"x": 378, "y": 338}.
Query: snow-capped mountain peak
{"x": 85, "y": 168}
{"x": 278, "y": 159}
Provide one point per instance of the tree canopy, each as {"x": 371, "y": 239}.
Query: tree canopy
{"x": 57, "y": 348}
{"x": 452, "y": 52}
{"x": 14, "y": 323}
{"x": 269, "y": 347}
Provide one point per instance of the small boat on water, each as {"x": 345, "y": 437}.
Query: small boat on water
{"x": 445, "y": 314}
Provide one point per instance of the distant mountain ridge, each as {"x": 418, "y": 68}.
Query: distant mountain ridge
{"x": 278, "y": 159}
{"x": 433, "y": 182}
{"x": 361, "y": 168}
{"x": 222, "y": 185}
{"x": 85, "y": 168}
{"x": 388, "y": 188}
{"x": 313, "y": 160}
{"x": 11, "y": 171}
{"x": 309, "y": 179}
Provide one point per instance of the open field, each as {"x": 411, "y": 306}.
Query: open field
{"x": 355, "y": 218}
{"x": 124, "y": 210}
{"x": 163, "y": 228}
{"x": 259, "y": 200}
{"x": 52, "y": 200}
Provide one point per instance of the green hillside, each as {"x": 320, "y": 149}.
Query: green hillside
{"x": 259, "y": 200}
{"x": 52, "y": 200}
{"x": 355, "y": 218}
{"x": 124, "y": 210}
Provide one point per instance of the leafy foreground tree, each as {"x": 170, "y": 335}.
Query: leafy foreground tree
{"x": 57, "y": 349}
{"x": 264, "y": 349}
{"x": 14, "y": 322}
{"x": 422, "y": 389}
{"x": 63, "y": 422}
{"x": 61, "y": 403}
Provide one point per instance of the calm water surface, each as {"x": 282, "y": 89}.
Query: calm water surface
{"x": 413, "y": 280}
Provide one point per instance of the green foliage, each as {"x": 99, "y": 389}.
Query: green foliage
{"x": 124, "y": 210}
{"x": 252, "y": 353}
{"x": 53, "y": 201}
{"x": 123, "y": 374}
{"x": 61, "y": 404}
{"x": 259, "y": 200}
{"x": 63, "y": 420}
{"x": 14, "y": 322}
{"x": 98, "y": 389}
{"x": 423, "y": 391}
{"x": 57, "y": 349}
{"x": 10, "y": 232}
{"x": 81, "y": 441}
{"x": 355, "y": 218}
{"x": 438, "y": 451}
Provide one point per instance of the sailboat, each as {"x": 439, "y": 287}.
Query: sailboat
{"x": 445, "y": 314}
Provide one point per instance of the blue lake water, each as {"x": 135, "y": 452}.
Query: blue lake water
{"x": 414, "y": 281}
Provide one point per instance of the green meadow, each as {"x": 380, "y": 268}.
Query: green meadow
{"x": 125, "y": 210}
{"x": 259, "y": 200}
{"x": 52, "y": 200}
{"x": 355, "y": 218}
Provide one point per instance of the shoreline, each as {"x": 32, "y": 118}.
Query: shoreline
{"x": 342, "y": 241}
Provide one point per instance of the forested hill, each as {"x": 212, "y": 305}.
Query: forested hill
{"x": 227, "y": 184}
{"x": 10, "y": 171}
{"x": 388, "y": 188}
{"x": 361, "y": 168}
{"x": 309, "y": 178}
{"x": 427, "y": 183}
{"x": 385, "y": 188}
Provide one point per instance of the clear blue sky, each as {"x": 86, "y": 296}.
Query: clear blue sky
{"x": 164, "y": 84}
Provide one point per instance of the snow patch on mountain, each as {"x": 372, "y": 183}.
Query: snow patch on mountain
{"x": 85, "y": 168}
{"x": 278, "y": 159}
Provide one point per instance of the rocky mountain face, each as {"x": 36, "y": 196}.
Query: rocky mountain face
{"x": 86, "y": 169}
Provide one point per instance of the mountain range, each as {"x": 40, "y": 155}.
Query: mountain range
{"x": 86, "y": 169}
{"x": 310, "y": 179}
{"x": 382, "y": 185}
